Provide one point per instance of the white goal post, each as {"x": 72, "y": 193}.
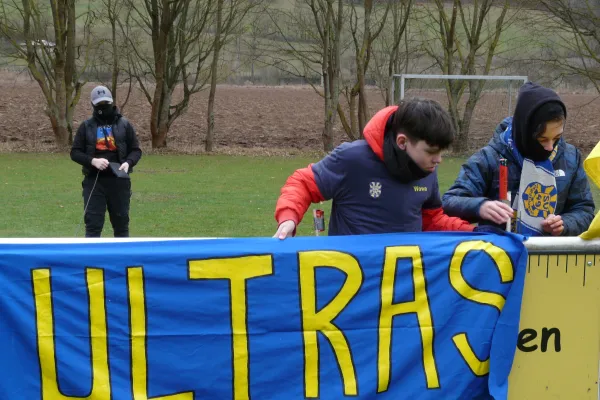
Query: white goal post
{"x": 403, "y": 77}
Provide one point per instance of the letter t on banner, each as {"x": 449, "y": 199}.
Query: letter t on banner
{"x": 237, "y": 270}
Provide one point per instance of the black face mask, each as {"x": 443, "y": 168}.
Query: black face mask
{"x": 399, "y": 163}
{"x": 105, "y": 112}
{"x": 536, "y": 151}
{"x": 528, "y": 144}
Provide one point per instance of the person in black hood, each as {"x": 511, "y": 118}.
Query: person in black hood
{"x": 107, "y": 147}
{"x": 543, "y": 169}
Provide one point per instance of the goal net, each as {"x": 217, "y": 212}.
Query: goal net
{"x": 495, "y": 102}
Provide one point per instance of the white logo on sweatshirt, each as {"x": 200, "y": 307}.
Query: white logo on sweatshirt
{"x": 375, "y": 189}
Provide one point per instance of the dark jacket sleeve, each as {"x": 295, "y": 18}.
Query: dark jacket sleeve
{"x": 579, "y": 207}
{"x": 78, "y": 148}
{"x": 467, "y": 194}
{"x": 133, "y": 146}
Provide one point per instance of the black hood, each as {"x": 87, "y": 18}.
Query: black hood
{"x": 531, "y": 97}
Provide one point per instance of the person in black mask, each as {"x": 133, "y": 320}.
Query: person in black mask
{"x": 548, "y": 185}
{"x": 385, "y": 183}
{"x": 107, "y": 147}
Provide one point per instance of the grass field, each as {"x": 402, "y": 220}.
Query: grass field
{"x": 183, "y": 196}
{"x": 173, "y": 196}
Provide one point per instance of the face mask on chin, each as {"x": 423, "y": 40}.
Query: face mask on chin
{"x": 399, "y": 163}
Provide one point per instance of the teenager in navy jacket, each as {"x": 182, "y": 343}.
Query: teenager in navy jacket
{"x": 382, "y": 184}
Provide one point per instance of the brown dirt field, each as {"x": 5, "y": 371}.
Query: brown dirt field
{"x": 252, "y": 119}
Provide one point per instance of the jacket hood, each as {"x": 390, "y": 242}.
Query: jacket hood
{"x": 500, "y": 145}
{"x": 375, "y": 129}
{"x": 531, "y": 97}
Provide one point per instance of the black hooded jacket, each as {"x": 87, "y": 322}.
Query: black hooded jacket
{"x": 84, "y": 143}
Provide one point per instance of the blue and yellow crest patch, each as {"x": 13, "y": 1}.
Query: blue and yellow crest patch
{"x": 539, "y": 200}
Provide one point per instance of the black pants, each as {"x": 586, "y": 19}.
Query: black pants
{"x": 110, "y": 193}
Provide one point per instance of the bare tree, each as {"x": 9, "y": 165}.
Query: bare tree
{"x": 230, "y": 14}
{"x": 258, "y": 30}
{"x": 390, "y": 52}
{"x": 577, "y": 26}
{"x": 311, "y": 35}
{"x": 364, "y": 31}
{"x": 312, "y": 42}
{"x": 55, "y": 57}
{"x": 114, "y": 9}
{"x": 463, "y": 41}
{"x": 330, "y": 32}
{"x": 210, "y": 118}
{"x": 111, "y": 53}
{"x": 180, "y": 46}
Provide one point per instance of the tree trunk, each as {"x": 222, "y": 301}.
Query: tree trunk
{"x": 72, "y": 87}
{"x": 453, "y": 99}
{"x": 461, "y": 143}
{"x": 344, "y": 122}
{"x": 70, "y": 110}
{"x": 362, "y": 64}
{"x": 330, "y": 109}
{"x": 160, "y": 41}
{"x": 160, "y": 139}
{"x": 155, "y": 113}
{"x": 57, "y": 130}
{"x": 330, "y": 84}
{"x": 327, "y": 135}
{"x": 362, "y": 103}
{"x": 115, "y": 51}
{"x": 335, "y": 69}
{"x": 210, "y": 117}
{"x": 352, "y": 111}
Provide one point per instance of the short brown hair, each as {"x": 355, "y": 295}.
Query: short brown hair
{"x": 424, "y": 119}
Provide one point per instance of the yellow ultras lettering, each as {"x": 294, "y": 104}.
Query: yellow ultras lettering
{"x": 419, "y": 306}
{"x": 237, "y": 271}
{"x": 137, "y": 317}
{"x": 457, "y": 280}
{"x": 98, "y": 335}
{"x": 505, "y": 268}
{"x": 314, "y": 321}
{"x": 477, "y": 366}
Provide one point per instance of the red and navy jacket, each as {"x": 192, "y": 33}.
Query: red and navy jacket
{"x": 366, "y": 197}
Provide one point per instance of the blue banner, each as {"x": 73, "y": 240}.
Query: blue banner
{"x": 403, "y": 316}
